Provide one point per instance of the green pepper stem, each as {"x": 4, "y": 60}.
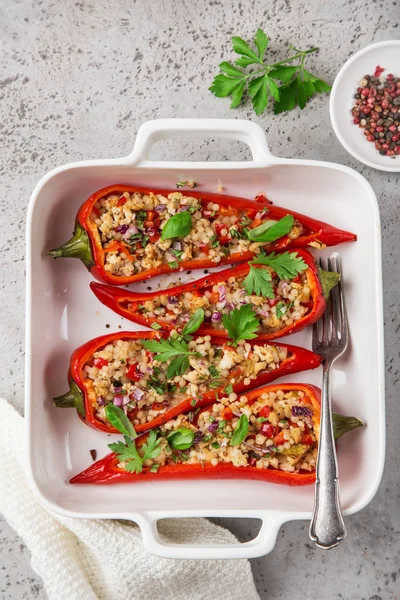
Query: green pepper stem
{"x": 77, "y": 247}
{"x": 343, "y": 424}
{"x": 328, "y": 280}
{"x": 72, "y": 399}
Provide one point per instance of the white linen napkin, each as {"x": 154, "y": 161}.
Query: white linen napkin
{"x": 82, "y": 559}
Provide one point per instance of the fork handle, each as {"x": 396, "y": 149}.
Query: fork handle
{"x": 327, "y": 527}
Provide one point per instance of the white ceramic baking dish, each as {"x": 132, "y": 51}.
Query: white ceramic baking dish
{"x": 62, "y": 313}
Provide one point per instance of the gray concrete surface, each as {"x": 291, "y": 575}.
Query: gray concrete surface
{"x": 76, "y": 81}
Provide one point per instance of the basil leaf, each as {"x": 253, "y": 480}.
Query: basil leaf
{"x": 194, "y": 322}
{"x": 241, "y": 431}
{"x": 181, "y": 439}
{"x": 178, "y": 226}
{"x": 271, "y": 230}
{"x": 119, "y": 420}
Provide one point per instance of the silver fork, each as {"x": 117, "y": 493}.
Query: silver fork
{"x": 330, "y": 339}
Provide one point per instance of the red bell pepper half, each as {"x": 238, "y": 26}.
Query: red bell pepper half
{"x": 83, "y": 397}
{"x": 86, "y": 243}
{"x": 108, "y": 469}
{"x": 131, "y": 304}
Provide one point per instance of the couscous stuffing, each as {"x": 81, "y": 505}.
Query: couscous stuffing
{"x": 130, "y": 228}
{"x": 276, "y": 431}
{"x": 127, "y": 375}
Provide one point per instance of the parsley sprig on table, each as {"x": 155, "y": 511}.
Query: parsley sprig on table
{"x": 286, "y": 265}
{"x": 296, "y": 87}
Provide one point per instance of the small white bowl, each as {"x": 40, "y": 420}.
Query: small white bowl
{"x": 386, "y": 55}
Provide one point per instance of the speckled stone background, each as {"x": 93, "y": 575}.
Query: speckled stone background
{"x": 76, "y": 81}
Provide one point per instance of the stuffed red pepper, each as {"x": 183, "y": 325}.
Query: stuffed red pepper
{"x": 153, "y": 378}
{"x": 271, "y": 434}
{"x": 125, "y": 233}
{"x": 285, "y": 290}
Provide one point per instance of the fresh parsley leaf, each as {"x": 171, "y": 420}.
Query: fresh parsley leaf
{"x": 128, "y": 452}
{"x": 230, "y": 70}
{"x": 178, "y": 225}
{"x": 262, "y": 419}
{"x": 257, "y": 89}
{"x": 118, "y": 419}
{"x": 229, "y": 389}
{"x": 280, "y": 309}
{"x": 328, "y": 280}
{"x": 261, "y": 42}
{"x": 242, "y": 47}
{"x": 269, "y": 231}
{"x": 181, "y": 439}
{"x": 194, "y": 322}
{"x": 241, "y": 431}
{"x": 241, "y": 323}
{"x": 299, "y": 90}
{"x": 172, "y": 349}
{"x": 259, "y": 282}
{"x": 286, "y": 265}
{"x": 151, "y": 448}
{"x": 173, "y": 264}
{"x": 283, "y": 74}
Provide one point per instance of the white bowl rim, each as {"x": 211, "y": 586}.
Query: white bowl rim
{"x": 336, "y": 83}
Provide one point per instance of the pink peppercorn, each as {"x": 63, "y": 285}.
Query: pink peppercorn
{"x": 395, "y": 138}
{"x": 392, "y": 128}
{"x": 379, "y": 128}
{"x": 390, "y": 153}
{"x": 371, "y": 138}
{"x": 390, "y": 77}
{"x": 364, "y": 92}
{"x": 385, "y": 146}
{"x": 385, "y": 103}
{"x": 356, "y": 121}
{"x": 397, "y": 149}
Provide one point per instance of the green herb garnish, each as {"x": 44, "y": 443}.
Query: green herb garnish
{"x": 194, "y": 322}
{"x": 173, "y": 264}
{"x": 241, "y": 324}
{"x": 118, "y": 419}
{"x": 154, "y": 467}
{"x": 174, "y": 350}
{"x": 155, "y": 326}
{"x": 128, "y": 453}
{"x": 181, "y": 439}
{"x": 286, "y": 265}
{"x": 229, "y": 389}
{"x": 259, "y": 282}
{"x": 297, "y": 85}
{"x": 280, "y": 309}
{"x": 178, "y": 225}
{"x": 241, "y": 431}
{"x": 215, "y": 445}
{"x": 270, "y": 231}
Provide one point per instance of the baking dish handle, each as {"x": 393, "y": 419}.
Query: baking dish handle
{"x": 261, "y": 545}
{"x": 234, "y": 129}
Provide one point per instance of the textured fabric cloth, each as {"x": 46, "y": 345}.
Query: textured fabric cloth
{"x": 81, "y": 559}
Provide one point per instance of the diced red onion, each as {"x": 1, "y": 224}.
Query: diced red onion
{"x": 207, "y": 214}
{"x": 222, "y": 293}
{"x": 122, "y": 228}
{"x": 184, "y": 209}
{"x": 126, "y": 400}
{"x": 138, "y": 394}
{"x": 101, "y": 401}
{"x": 216, "y": 317}
{"x": 151, "y": 231}
{"x": 177, "y": 245}
{"x": 133, "y": 230}
{"x": 172, "y": 300}
{"x": 160, "y": 207}
{"x": 117, "y": 389}
{"x": 150, "y": 370}
{"x": 118, "y": 400}
{"x": 213, "y": 428}
{"x": 229, "y": 305}
{"x": 301, "y": 411}
{"x": 198, "y": 436}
